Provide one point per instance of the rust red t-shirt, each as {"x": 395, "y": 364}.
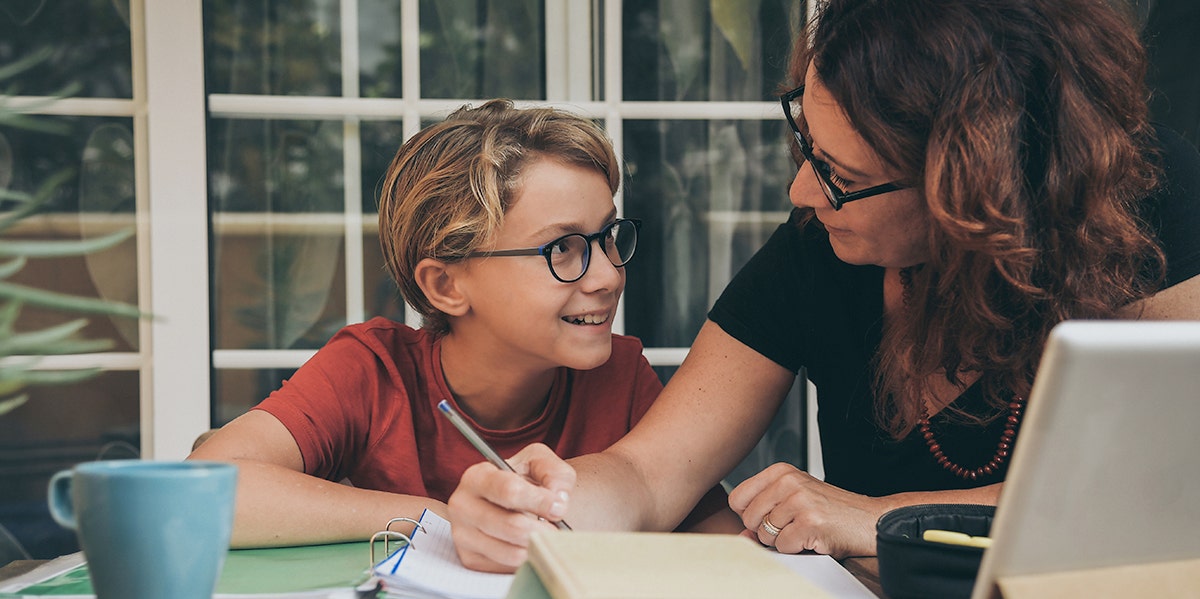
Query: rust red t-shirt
{"x": 364, "y": 409}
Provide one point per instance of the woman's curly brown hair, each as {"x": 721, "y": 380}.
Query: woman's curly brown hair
{"x": 1024, "y": 125}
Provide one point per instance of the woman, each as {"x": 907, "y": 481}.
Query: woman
{"x": 977, "y": 172}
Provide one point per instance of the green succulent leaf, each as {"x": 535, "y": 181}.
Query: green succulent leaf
{"x": 20, "y": 351}
{"x": 12, "y": 267}
{"x": 14, "y": 115}
{"x": 9, "y": 404}
{"x": 19, "y": 66}
{"x": 52, "y": 249}
{"x": 44, "y": 377}
{"x": 56, "y": 340}
{"x": 31, "y": 203}
{"x": 63, "y": 301}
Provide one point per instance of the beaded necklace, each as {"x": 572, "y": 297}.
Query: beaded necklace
{"x": 1003, "y": 448}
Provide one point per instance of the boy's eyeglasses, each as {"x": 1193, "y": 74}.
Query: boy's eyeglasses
{"x": 568, "y": 256}
{"x": 836, "y": 196}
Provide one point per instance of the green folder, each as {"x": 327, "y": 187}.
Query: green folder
{"x": 253, "y": 571}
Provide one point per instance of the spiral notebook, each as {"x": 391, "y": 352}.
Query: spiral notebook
{"x": 426, "y": 565}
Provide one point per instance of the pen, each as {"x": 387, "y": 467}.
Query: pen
{"x": 474, "y": 439}
{"x": 950, "y": 537}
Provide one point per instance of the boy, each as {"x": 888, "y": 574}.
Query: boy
{"x": 499, "y": 227}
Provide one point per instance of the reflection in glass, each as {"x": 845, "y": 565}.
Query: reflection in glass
{"x": 379, "y": 49}
{"x": 90, "y": 40}
{"x": 58, "y": 427}
{"x": 709, "y": 194}
{"x": 276, "y": 193}
{"x": 735, "y": 50}
{"x": 238, "y": 390}
{"x": 472, "y": 49}
{"x": 98, "y": 200}
{"x": 106, "y": 196}
{"x": 380, "y": 140}
{"x": 380, "y": 294}
{"x": 273, "y": 47}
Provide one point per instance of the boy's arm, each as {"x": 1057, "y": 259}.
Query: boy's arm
{"x": 278, "y": 504}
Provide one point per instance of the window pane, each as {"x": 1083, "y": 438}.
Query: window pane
{"x": 709, "y": 194}
{"x": 473, "y": 49}
{"x": 273, "y": 47}
{"x": 381, "y": 296}
{"x": 96, "y": 200}
{"x": 58, "y": 427}
{"x": 238, "y": 390}
{"x": 686, "y": 51}
{"x": 379, "y": 49}
{"x": 278, "y": 273}
{"x": 96, "y": 54}
{"x": 380, "y": 140}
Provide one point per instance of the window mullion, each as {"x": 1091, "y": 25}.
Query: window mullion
{"x": 177, "y": 190}
{"x": 352, "y": 168}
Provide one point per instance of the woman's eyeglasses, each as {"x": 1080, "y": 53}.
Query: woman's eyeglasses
{"x": 568, "y": 256}
{"x": 836, "y": 195}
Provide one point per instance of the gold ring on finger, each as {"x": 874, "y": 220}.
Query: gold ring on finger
{"x": 769, "y": 528}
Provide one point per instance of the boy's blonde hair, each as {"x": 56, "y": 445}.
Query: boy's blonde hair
{"x": 447, "y": 190}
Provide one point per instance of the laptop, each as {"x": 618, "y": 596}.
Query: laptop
{"x": 1106, "y": 470}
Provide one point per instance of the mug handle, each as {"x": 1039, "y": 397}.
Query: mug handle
{"x": 59, "y": 499}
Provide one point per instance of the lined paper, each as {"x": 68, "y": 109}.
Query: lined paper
{"x": 430, "y": 567}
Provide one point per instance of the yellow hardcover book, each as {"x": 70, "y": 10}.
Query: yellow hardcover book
{"x": 645, "y": 565}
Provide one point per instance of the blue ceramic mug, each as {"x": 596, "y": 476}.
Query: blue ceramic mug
{"x": 148, "y": 529}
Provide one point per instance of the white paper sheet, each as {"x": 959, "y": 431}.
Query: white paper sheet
{"x": 430, "y": 567}
{"x": 824, "y": 572}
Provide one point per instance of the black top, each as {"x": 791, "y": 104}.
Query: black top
{"x": 796, "y": 303}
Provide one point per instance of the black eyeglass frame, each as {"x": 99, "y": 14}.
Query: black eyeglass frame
{"x": 836, "y": 196}
{"x": 545, "y": 252}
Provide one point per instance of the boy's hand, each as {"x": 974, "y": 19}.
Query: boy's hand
{"x": 493, "y": 513}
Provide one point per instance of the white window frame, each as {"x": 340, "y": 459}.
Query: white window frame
{"x": 169, "y": 120}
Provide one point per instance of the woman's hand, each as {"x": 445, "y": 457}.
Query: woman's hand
{"x": 494, "y": 512}
{"x": 809, "y": 514}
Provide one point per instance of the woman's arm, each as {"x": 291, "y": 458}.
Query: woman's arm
{"x": 708, "y": 417}
{"x": 813, "y": 515}
{"x": 278, "y": 504}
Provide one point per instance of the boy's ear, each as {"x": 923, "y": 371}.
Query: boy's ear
{"x": 437, "y": 281}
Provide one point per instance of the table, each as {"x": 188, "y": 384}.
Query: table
{"x": 865, "y": 569}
